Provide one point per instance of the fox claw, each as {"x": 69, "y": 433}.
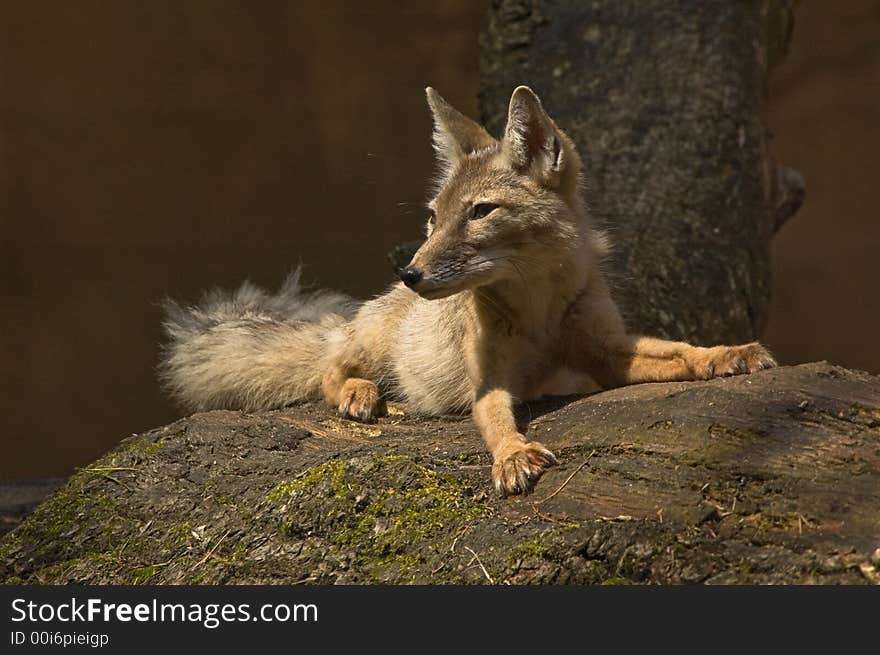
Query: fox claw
{"x": 361, "y": 401}
{"x": 517, "y": 471}
{"x": 724, "y": 361}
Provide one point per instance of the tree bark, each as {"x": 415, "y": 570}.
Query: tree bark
{"x": 666, "y": 101}
{"x": 773, "y": 477}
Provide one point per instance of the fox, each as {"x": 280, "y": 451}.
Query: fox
{"x": 504, "y": 302}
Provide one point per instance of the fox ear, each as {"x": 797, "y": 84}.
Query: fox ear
{"x": 532, "y": 142}
{"x": 455, "y": 135}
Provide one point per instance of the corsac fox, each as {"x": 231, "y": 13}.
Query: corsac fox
{"x": 504, "y": 301}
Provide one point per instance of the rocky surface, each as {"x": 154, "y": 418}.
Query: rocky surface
{"x": 767, "y": 478}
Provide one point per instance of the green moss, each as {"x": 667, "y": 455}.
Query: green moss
{"x": 390, "y": 458}
{"x": 9, "y": 542}
{"x": 146, "y": 446}
{"x": 332, "y": 471}
{"x": 113, "y": 557}
{"x": 58, "y": 515}
{"x": 395, "y": 520}
{"x": 143, "y": 574}
{"x": 53, "y": 537}
{"x": 239, "y": 554}
{"x": 404, "y": 504}
{"x": 615, "y": 580}
{"x": 382, "y": 514}
{"x": 57, "y": 573}
{"x": 105, "y": 501}
{"x": 179, "y": 534}
{"x": 53, "y": 573}
{"x": 535, "y": 547}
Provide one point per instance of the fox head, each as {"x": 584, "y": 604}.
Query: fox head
{"x": 503, "y": 209}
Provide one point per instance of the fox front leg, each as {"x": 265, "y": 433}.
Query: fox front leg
{"x": 631, "y": 359}
{"x": 518, "y": 464}
{"x": 354, "y": 397}
{"x": 597, "y": 343}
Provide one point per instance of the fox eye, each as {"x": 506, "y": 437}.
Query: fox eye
{"x": 482, "y": 209}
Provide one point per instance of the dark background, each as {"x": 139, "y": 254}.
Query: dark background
{"x": 160, "y": 148}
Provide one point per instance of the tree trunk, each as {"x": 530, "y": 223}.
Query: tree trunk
{"x": 666, "y": 102}
{"x": 772, "y": 477}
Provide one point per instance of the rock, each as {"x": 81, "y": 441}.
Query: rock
{"x": 415, "y": 504}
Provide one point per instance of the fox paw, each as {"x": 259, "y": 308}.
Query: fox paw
{"x": 517, "y": 469}
{"x": 723, "y": 361}
{"x": 360, "y": 400}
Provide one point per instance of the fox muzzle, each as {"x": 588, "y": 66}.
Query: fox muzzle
{"x": 411, "y": 276}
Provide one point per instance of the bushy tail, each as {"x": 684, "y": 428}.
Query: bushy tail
{"x": 252, "y": 350}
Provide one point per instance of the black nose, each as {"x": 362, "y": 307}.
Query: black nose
{"x": 410, "y": 276}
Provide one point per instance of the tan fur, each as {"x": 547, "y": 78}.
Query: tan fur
{"x": 511, "y": 305}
